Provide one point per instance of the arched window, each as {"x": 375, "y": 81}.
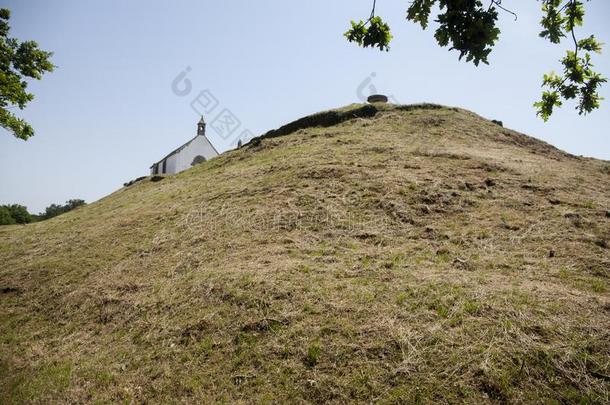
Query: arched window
{"x": 198, "y": 159}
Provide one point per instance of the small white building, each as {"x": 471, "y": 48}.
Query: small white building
{"x": 197, "y": 150}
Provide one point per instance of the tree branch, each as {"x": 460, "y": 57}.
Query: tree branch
{"x": 498, "y": 4}
{"x": 372, "y": 13}
{"x": 576, "y": 47}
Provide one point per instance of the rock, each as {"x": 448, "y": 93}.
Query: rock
{"x": 156, "y": 178}
{"x": 554, "y": 201}
{"x": 377, "y": 98}
{"x": 500, "y": 123}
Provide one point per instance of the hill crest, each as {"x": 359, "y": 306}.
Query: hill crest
{"x": 413, "y": 254}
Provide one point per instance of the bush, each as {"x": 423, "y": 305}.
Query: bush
{"x": 54, "y": 210}
{"x": 18, "y": 213}
{"x": 5, "y": 216}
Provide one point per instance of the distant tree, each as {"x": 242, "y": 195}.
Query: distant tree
{"x": 18, "y": 61}
{"x": 54, "y": 210}
{"x": 18, "y": 213}
{"x": 469, "y": 27}
{"x": 5, "y": 216}
{"x": 51, "y": 211}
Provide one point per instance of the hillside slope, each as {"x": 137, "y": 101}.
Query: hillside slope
{"x": 417, "y": 254}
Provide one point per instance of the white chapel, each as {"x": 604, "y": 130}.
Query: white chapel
{"x": 197, "y": 150}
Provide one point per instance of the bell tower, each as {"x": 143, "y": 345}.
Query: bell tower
{"x": 201, "y": 127}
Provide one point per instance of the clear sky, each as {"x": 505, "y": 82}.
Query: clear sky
{"x": 114, "y": 104}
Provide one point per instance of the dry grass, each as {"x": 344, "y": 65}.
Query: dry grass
{"x": 422, "y": 255}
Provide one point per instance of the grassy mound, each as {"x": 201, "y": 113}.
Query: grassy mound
{"x": 414, "y": 254}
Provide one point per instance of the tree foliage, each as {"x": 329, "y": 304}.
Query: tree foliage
{"x": 18, "y": 61}
{"x": 54, "y": 210}
{"x": 372, "y": 32}
{"x": 5, "y": 216}
{"x": 578, "y": 79}
{"x": 18, "y": 214}
{"x": 470, "y": 27}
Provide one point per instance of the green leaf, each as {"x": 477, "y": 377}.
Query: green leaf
{"x": 550, "y": 99}
{"x": 419, "y": 12}
{"x": 18, "y": 61}
{"x": 376, "y": 35}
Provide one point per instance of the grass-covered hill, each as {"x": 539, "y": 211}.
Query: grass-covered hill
{"x": 394, "y": 255}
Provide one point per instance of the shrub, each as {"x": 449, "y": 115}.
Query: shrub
{"x": 18, "y": 213}
{"x": 5, "y": 216}
{"x": 54, "y": 210}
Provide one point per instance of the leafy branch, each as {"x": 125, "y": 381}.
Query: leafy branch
{"x": 579, "y": 80}
{"x": 17, "y": 62}
{"x": 372, "y": 32}
{"x": 471, "y": 29}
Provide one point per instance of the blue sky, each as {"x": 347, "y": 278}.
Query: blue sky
{"x": 110, "y": 109}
